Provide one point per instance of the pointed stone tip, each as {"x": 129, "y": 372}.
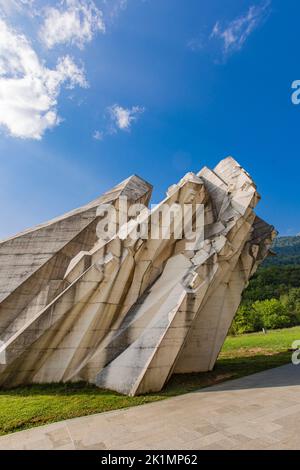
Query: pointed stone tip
{"x": 229, "y": 166}
{"x": 229, "y": 159}
{"x": 132, "y": 180}
{"x": 136, "y": 183}
{"x": 142, "y": 180}
{"x": 140, "y": 184}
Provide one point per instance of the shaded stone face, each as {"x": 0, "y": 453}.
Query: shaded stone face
{"x": 125, "y": 312}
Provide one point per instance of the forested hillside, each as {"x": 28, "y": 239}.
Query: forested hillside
{"x": 278, "y": 274}
{"x": 287, "y": 251}
{"x": 272, "y": 299}
{"x": 271, "y": 282}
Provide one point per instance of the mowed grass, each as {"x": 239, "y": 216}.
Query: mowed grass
{"x": 25, "y": 407}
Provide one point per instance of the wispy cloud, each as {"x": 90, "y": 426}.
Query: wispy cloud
{"x": 122, "y": 118}
{"x": 197, "y": 43}
{"x": 73, "y": 22}
{"x": 28, "y": 89}
{"x": 229, "y": 37}
{"x": 98, "y": 135}
{"x": 9, "y": 6}
{"x": 234, "y": 34}
{"x": 119, "y": 119}
{"x": 112, "y": 8}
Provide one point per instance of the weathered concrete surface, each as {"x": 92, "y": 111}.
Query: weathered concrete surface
{"x": 125, "y": 313}
{"x": 261, "y": 411}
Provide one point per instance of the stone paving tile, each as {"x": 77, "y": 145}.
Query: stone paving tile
{"x": 290, "y": 443}
{"x": 290, "y": 421}
{"x": 80, "y": 446}
{"x": 206, "y": 429}
{"x": 166, "y": 444}
{"x": 261, "y": 411}
{"x": 205, "y": 441}
{"x": 252, "y": 430}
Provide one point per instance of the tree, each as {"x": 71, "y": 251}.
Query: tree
{"x": 246, "y": 320}
{"x": 273, "y": 313}
{"x": 292, "y": 302}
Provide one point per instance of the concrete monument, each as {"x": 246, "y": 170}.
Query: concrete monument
{"x": 126, "y": 306}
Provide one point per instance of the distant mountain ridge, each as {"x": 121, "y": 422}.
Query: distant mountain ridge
{"x": 287, "y": 251}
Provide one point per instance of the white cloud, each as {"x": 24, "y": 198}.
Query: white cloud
{"x": 119, "y": 119}
{"x": 122, "y": 118}
{"x": 98, "y": 135}
{"x": 74, "y": 22}
{"x": 28, "y": 89}
{"x": 235, "y": 33}
{"x": 10, "y": 7}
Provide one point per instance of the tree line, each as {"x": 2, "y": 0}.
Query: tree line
{"x": 272, "y": 300}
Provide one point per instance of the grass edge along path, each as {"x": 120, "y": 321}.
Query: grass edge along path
{"x": 35, "y": 405}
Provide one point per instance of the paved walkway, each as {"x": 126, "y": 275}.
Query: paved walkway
{"x": 261, "y": 411}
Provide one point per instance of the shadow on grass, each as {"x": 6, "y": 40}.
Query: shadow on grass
{"x": 225, "y": 369}
{"x": 34, "y": 405}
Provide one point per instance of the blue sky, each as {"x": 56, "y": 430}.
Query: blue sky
{"x": 92, "y": 92}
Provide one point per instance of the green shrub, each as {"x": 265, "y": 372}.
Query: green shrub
{"x": 292, "y": 302}
{"x": 273, "y": 313}
{"x": 272, "y": 300}
{"x": 247, "y": 320}
{"x": 269, "y": 314}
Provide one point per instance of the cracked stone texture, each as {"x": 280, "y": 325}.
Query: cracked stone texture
{"x": 125, "y": 313}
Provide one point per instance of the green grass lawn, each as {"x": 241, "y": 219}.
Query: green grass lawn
{"x": 25, "y": 407}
